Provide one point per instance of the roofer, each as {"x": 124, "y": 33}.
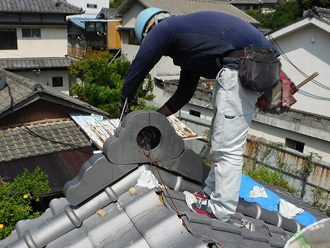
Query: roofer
{"x": 209, "y": 45}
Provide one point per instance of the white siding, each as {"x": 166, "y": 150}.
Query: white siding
{"x": 52, "y": 43}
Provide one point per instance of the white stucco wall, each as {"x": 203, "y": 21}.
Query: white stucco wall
{"x": 90, "y": 12}
{"x": 45, "y": 78}
{"x": 52, "y": 43}
{"x": 308, "y": 49}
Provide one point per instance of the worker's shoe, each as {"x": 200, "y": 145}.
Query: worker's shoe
{"x": 198, "y": 204}
{"x": 203, "y": 208}
{"x": 201, "y": 194}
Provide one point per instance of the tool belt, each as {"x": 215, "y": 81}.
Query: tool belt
{"x": 259, "y": 68}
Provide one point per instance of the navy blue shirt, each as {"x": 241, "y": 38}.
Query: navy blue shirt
{"x": 194, "y": 42}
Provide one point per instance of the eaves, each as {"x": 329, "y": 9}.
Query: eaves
{"x": 300, "y": 25}
{"x": 47, "y": 97}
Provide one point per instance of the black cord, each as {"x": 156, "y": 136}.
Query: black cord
{"x": 31, "y": 132}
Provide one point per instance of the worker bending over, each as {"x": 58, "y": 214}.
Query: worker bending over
{"x": 209, "y": 45}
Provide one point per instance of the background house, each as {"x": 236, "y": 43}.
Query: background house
{"x": 87, "y": 34}
{"x": 91, "y": 8}
{"x": 33, "y": 40}
{"x": 260, "y": 5}
{"x": 36, "y": 130}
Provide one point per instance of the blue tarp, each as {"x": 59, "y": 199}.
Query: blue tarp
{"x": 272, "y": 202}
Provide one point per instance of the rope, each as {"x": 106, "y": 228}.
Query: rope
{"x": 154, "y": 164}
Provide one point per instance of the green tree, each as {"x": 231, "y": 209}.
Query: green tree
{"x": 116, "y": 3}
{"x": 282, "y": 15}
{"x": 308, "y": 4}
{"x": 16, "y": 198}
{"x": 102, "y": 79}
{"x": 286, "y": 13}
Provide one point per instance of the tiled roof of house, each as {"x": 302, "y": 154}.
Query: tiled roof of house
{"x": 40, "y": 138}
{"x": 112, "y": 201}
{"x": 39, "y": 6}
{"x": 20, "y": 91}
{"x": 181, "y": 7}
{"x": 320, "y": 13}
{"x": 35, "y": 63}
{"x": 106, "y": 13}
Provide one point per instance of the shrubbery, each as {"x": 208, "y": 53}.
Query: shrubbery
{"x": 16, "y": 198}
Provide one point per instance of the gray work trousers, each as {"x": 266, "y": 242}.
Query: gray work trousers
{"x": 233, "y": 107}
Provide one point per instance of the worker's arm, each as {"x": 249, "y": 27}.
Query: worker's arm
{"x": 154, "y": 46}
{"x": 185, "y": 91}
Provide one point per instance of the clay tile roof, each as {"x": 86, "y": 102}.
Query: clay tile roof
{"x": 39, "y": 6}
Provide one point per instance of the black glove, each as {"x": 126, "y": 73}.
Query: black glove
{"x": 124, "y": 109}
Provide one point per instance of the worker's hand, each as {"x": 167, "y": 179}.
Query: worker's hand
{"x": 124, "y": 108}
{"x": 164, "y": 110}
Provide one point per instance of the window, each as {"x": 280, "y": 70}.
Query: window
{"x": 194, "y": 113}
{"x": 8, "y": 38}
{"x": 132, "y": 38}
{"x": 31, "y": 32}
{"x": 57, "y": 81}
{"x": 95, "y": 27}
{"x": 92, "y": 6}
{"x": 299, "y": 146}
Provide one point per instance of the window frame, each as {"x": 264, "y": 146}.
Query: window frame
{"x": 54, "y": 83}
{"x": 295, "y": 144}
{"x": 32, "y": 30}
{"x": 91, "y": 5}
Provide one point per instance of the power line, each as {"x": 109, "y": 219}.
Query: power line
{"x": 290, "y": 62}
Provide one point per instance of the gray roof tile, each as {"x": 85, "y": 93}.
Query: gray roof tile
{"x": 22, "y": 144}
{"x": 106, "y": 13}
{"x": 35, "y": 63}
{"x": 253, "y": 2}
{"x": 182, "y": 7}
{"x": 39, "y": 6}
{"x": 322, "y": 14}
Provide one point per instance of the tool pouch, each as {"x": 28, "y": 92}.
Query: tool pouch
{"x": 259, "y": 69}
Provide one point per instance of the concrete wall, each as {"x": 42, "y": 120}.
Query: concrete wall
{"x": 52, "y": 43}
{"x": 308, "y": 49}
